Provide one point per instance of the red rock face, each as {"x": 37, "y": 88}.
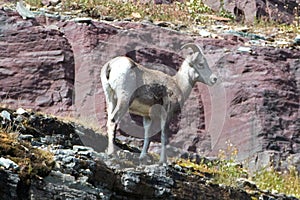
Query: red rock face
{"x": 262, "y": 92}
{"x": 36, "y": 67}
{"x": 255, "y": 104}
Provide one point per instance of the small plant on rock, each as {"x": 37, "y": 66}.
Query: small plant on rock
{"x": 287, "y": 182}
{"x": 226, "y": 171}
{"x": 229, "y": 170}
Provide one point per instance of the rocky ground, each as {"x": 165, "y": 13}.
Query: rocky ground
{"x": 74, "y": 171}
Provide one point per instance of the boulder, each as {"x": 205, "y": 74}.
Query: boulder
{"x": 262, "y": 95}
{"x": 248, "y": 11}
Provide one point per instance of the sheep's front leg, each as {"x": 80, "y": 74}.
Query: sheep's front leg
{"x": 163, "y": 153}
{"x": 164, "y": 127}
{"x": 147, "y": 125}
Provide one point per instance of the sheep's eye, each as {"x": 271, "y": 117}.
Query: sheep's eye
{"x": 200, "y": 65}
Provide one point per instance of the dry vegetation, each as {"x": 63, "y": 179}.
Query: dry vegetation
{"x": 228, "y": 172}
{"x": 32, "y": 162}
{"x": 189, "y": 14}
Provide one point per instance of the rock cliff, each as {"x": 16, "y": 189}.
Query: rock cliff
{"x": 37, "y": 65}
{"x": 53, "y": 64}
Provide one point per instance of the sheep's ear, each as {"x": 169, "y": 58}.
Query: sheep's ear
{"x": 197, "y": 53}
{"x": 194, "y": 47}
{"x": 194, "y": 58}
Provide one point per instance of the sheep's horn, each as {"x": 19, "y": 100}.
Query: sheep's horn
{"x": 193, "y": 46}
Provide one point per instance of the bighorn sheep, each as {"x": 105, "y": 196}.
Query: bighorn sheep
{"x": 150, "y": 93}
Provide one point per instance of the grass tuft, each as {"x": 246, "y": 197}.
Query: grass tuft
{"x": 32, "y": 162}
{"x": 287, "y": 182}
{"x": 227, "y": 171}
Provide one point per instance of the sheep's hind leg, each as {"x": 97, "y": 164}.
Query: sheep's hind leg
{"x": 115, "y": 113}
{"x": 111, "y": 126}
{"x": 119, "y": 111}
{"x": 111, "y": 131}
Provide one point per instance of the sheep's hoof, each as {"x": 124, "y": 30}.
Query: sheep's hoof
{"x": 110, "y": 151}
{"x": 144, "y": 159}
{"x": 163, "y": 162}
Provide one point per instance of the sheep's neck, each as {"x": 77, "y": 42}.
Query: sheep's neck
{"x": 185, "y": 82}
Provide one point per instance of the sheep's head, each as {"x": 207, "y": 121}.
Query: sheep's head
{"x": 198, "y": 62}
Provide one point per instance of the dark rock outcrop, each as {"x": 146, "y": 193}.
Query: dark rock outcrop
{"x": 82, "y": 173}
{"x": 9, "y": 184}
{"x": 248, "y": 11}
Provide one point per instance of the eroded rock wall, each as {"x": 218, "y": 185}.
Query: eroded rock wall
{"x": 36, "y": 67}
{"x": 254, "y": 106}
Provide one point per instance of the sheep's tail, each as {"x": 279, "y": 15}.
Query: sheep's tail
{"x": 105, "y": 71}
